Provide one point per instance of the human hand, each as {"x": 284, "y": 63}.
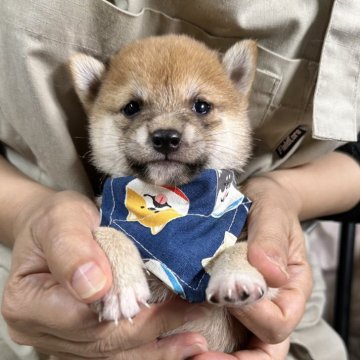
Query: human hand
{"x": 57, "y": 268}
{"x": 276, "y": 248}
{"x": 256, "y": 350}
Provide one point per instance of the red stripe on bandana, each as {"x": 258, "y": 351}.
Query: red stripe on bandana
{"x": 177, "y": 191}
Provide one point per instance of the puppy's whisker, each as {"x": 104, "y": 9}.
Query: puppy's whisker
{"x": 86, "y": 154}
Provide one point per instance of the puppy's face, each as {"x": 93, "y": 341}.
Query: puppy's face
{"x": 165, "y": 108}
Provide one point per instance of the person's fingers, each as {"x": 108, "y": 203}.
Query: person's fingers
{"x": 58, "y": 321}
{"x": 276, "y": 247}
{"x": 174, "y": 347}
{"x": 63, "y": 235}
{"x": 214, "y": 355}
{"x": 273, "y": 320}
{"x": 268, "y": 243}
{"x": 74, "y": 258}
{"x": 257, "y": 350}
{"x": 53, "y": 309}
{"x": 151, "y": 323}
{"x": 273, "y": 228}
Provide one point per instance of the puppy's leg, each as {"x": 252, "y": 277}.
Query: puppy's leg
{"x": 233, "y": 281}
{"x": 129, "y": 289}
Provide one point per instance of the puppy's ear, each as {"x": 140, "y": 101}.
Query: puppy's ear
{"x": 240, "y": 64}
{"x": 86, "y": 73}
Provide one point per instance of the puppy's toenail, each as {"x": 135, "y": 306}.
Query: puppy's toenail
{"x": 213, "y": 299}
{"x": 146, "y": 304}
{"x": 244, "y": 295}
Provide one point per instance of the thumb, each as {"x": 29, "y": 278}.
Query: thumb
{"x": 73, "y": 256}
{"x": 268, "y": 244}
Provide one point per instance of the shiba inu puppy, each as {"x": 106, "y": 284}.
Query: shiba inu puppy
{"x": 164, "y": 109}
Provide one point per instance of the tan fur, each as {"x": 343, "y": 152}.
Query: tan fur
{"x": 167, "y": 75}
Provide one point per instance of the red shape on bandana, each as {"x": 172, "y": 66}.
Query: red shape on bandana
{"x": 177, "y": 191}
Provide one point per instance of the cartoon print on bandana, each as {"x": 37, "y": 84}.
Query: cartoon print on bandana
{"x": 228, "y": 196}
{"x": 178, "y": 230}
{"x": 154, "y": 206}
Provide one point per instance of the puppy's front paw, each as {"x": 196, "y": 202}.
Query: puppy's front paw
{"x": 236, "y": 288}
{"x": 130, "y": 289}
{"x": 123, "y": 301}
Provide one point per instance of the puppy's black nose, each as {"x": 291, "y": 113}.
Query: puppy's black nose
{"x": 166, "y": 141}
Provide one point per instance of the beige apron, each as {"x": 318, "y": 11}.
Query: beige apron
{"x": 43, "y": 126}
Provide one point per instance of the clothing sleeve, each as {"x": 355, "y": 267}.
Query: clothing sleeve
{"x": 353, "y": 215}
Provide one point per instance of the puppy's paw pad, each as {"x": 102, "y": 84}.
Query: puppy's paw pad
{"x": 236, "y": 289}
{"x": 122, "y": 303}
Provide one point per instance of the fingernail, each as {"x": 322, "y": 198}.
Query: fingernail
{"x": 88, "y": 280}
{"x": 279, "y": 262}
{"x": 193, "y": 350}
{"x": 197, "y": 312}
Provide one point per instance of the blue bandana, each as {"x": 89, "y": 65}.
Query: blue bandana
{"x": 178, "y": 230}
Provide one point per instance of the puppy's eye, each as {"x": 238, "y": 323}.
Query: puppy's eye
{"x": 131, "y": 108}
{"x": 201, "y": 107}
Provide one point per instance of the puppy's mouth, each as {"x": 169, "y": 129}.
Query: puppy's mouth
{"x": 166, "y": 171}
